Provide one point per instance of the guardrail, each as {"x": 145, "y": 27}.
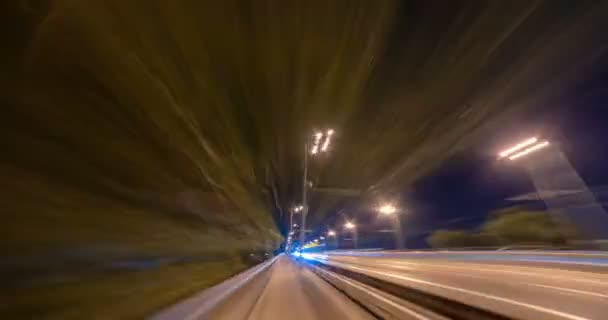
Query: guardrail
{"x": 203, "y": 303}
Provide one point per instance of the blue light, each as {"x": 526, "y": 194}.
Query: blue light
{"x": 296, "y": 253}
{"x": 308, "y": 256}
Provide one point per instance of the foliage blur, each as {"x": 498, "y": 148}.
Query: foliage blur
{"x": 511, "y": 226}
{"x": 450, "y": 239}
{"x": 147, "y": 139}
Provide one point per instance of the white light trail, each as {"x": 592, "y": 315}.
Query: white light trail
{"x": 531, "y": 149}
{"x": 517, "y": 147}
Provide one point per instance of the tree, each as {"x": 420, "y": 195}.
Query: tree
{"x": 510, "y": 226}
{"x": 529, "y": 227}
{"x": 449, "y": 239}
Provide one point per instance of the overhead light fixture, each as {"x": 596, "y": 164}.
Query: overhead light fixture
{"x": 529, "y": 150}
{"x": 518, "y": 147}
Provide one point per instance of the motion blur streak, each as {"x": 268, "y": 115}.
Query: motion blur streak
{"x": 526, "y": 290}
{"x": 476, "y": 293}
{"x": 153, "y": 148}
{"x": 385, "y": 300}
{"x": 550, "y": 169}
{"x": 152, "y": 140}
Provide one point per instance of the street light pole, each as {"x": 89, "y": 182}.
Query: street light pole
{"x": 290, "y": 220}
{"x": 292, "y": 211}
{"x": 353, "y": 228}
{"x": 304, "y": 195}
{"x": 398, "y": 233}
{"x": 334, "y": 235}
{"x": 390, "y": 210}
{"x": 320, "y": 144}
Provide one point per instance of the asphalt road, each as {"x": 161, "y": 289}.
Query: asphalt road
{"x": 285, "y": 289}
{"x": 520, "y": 289}
{"x": 289, "y": 290}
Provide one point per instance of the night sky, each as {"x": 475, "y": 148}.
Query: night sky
{"x": 563, "y": 101}
{"x": 460, "y": 193}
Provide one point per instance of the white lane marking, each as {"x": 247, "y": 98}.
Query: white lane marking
{"x": 571, "y": 290}
{"x": 479, "y": 294}
{"x": 590, "y": 293}
{"x": 490, "y": 252}
{"x": 400, "y": 267}
{"x": 379, "y": 297}
{"x": 523, "y": 273}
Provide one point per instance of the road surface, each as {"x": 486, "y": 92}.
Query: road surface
{"x": 567, "y": 258}
{"x": 519, "y": 289}
{"x": 290, "y": 291}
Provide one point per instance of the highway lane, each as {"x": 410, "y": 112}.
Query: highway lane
{"x": 289, "y": 291}
{"x": 523, "y": 290}
{"x": 568, "y": 258}
{"x": 283, "y": 288}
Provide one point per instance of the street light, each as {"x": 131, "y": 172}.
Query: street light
{"x": 320, "y": 143}
{"x": 529, "y": 150}
{"x": 523, "y": 148}
{"x": 295, "y": 209}
{"x": 333, "y": 235}
{"x": 387, "y": 209}
{"x": 353, "y": 228}
{"x": 329, "y": 133}
{"x": 518, "y": 146}
{"x": 316, "y": 140}
{"x": 390, "y": 210}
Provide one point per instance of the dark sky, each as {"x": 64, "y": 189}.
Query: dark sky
{"x": 539, "y": 67}
{"x": 465, "y": 188}
{"x": 551, "y": 65}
